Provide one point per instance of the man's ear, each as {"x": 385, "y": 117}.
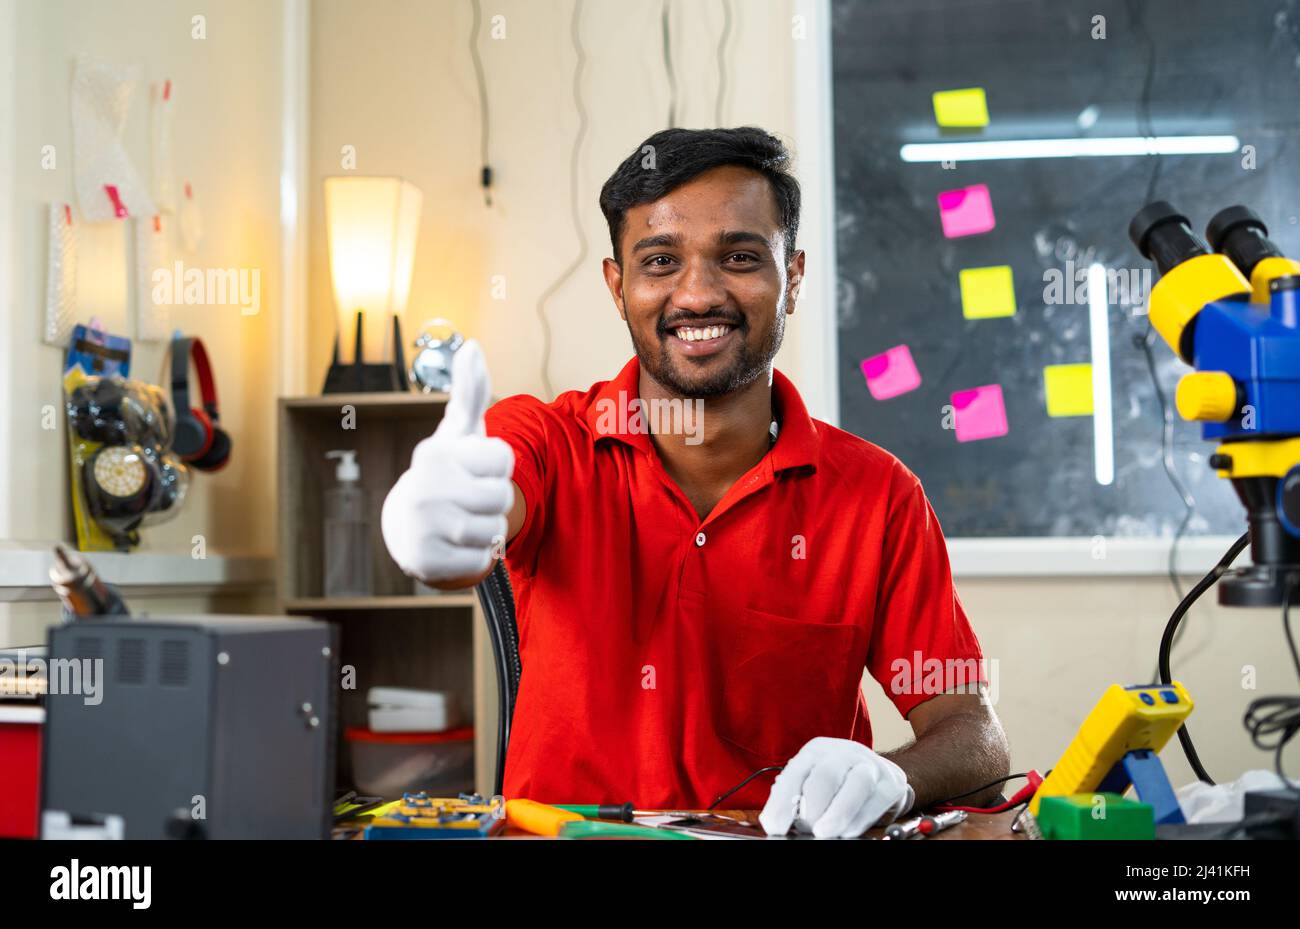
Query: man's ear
{"x": 795, "y": 273}
{"x": 614, "y": 281}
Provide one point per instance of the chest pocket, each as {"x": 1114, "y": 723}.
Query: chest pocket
{"x": 784, "y": 681}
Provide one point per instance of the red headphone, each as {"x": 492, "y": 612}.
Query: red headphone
{"x": 198, "y": 437}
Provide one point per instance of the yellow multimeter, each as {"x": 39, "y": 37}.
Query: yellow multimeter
{"x": 1127, "y": 723}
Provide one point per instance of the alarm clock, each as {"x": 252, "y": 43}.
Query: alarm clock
{"x": 431, "y": 364}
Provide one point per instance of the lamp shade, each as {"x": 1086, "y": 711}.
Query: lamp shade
{"x": 372, "y": 224}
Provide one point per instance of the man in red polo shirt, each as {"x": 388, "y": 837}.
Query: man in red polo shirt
{"x": 702, "y": 571}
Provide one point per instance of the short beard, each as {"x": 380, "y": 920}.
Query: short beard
{"x": 747, "y": 368}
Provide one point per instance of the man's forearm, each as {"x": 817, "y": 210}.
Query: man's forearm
{"x": 956, "y": 754}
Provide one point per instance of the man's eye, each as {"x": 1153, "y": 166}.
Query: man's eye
{"x": 658, "y": 261}
{"x": 742, "y": 258}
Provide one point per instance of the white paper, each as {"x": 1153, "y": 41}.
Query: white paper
{"x": 61, "y": 276}
{"x": 107, "y": 183}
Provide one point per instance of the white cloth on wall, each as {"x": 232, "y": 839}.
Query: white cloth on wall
{"x": 107, "y": 183}
{"x": 61, "y": 276}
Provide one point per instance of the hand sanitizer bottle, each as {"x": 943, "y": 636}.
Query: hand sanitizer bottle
{"x": 347, "y": 532}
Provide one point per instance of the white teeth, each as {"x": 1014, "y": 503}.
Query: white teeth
{"x": 702, "y": 333}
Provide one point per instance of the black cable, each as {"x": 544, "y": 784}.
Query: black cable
{"x": 1146, "y": 126}
{"x": 721, "y": 797}
{"x": 1289, "y": 585}
{"x": 1167, "y": 641}
{"x": 574, "y": 207}
{"x": 485, "y": 176}
{"x": 722, "y": 62}
{"x": 1167, "y": 458}
{"x": 1000, "y": 781}
{"x": 665, "y": 23}
{"x": 1277, "y": 716}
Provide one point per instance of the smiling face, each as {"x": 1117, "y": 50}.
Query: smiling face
{"x": 705, "y": 282}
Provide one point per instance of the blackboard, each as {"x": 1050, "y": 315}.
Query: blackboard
{"x": 1215, "y": 68}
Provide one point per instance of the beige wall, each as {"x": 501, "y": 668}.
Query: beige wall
{"x": 395, "y": 80}
{"x": 227, "y": 142}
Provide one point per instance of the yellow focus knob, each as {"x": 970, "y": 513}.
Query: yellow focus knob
{"x": 1207, "y": 396}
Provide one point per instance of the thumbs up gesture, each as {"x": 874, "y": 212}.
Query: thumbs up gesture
{"x": 447, "y": 512}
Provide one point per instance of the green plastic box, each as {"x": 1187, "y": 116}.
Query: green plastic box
{"x": 1095, "y": 816}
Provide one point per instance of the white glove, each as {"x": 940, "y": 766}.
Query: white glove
{"x": 836, "y": 788}
{"x": 445, "y": 518}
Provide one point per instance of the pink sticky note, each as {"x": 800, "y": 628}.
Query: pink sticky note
{"x": 891, "y": 373}
{"x": 979, "y": 413}
{"x": 966, "y": 211}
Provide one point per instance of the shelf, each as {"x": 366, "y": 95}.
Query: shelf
{"x": 339, "y": 604}
{"x": 25, "y": 572}
{"x": 383, "y": 430}
{"x": 377, "y": 398}
{"x": 391, "y": 405}
{"x": 395, "y": 637}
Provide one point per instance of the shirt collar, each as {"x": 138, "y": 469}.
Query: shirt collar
{"x": 609, "y": 416}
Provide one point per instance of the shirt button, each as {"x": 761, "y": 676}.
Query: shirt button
{"x": 699, "y": 539}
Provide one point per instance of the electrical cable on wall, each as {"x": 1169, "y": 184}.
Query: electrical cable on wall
{"x": 666, "y": 29}
{"x": 1164, "y": 660}
{"x": 574, "y": 206}
{"x": 1167, "y": 457}
{"x": 722, "y": 62}
{"x": 1277, "y": 717}
{"x": 485, "y": 175}
{"x": 1147, "y": 128}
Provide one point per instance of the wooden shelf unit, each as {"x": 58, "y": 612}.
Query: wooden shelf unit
{"x": 398, "y": 636}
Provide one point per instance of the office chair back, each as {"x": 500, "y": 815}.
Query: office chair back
{"x": 498, "y": 600}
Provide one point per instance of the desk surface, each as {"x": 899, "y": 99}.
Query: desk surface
{"x": 977, "y": 826}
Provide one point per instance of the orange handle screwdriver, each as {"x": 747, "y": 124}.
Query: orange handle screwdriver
{"x": 538, "y": 818}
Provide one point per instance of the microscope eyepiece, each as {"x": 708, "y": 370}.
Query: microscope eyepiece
{"x": 1241, "y": 235}
{"x": 1164, "y": 236}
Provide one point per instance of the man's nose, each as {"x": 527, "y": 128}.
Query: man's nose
{"x": 700, "y": 288}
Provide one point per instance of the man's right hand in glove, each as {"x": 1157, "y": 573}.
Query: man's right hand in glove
{"x": 445, "y": 520}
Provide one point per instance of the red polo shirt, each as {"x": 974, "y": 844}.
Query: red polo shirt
{"x": 664, "y": 657}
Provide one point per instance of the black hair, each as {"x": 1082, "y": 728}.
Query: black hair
{"x": 672, "y": 157}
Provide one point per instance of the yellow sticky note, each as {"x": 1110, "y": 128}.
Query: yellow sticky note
{"x": 1068, "y": 389}
{"x": 961, "y": 109}
{"x": 987, "y": 293}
